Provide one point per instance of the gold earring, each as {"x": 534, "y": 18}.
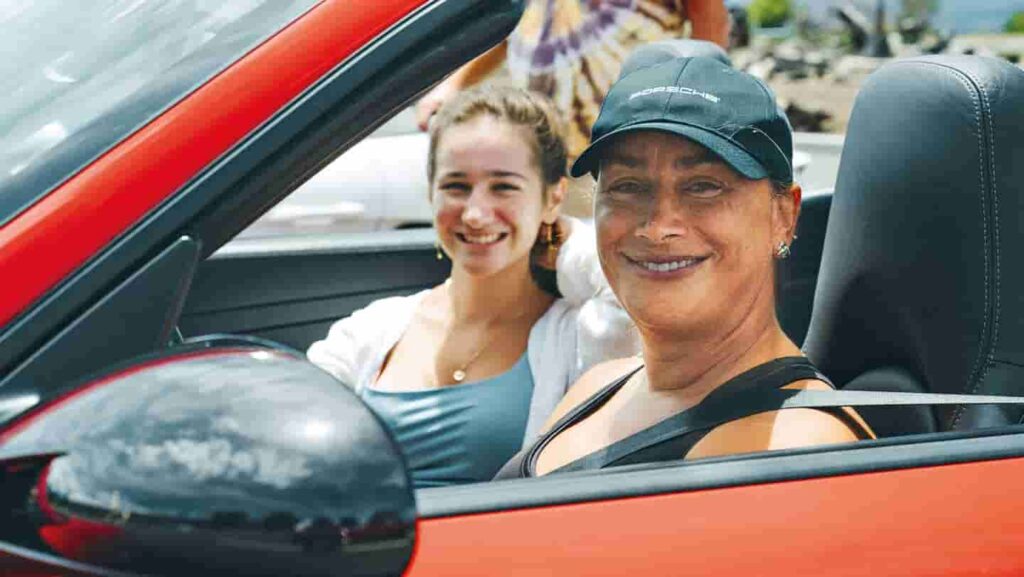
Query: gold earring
{"x": 437, "y": 247}
{"x": 550, "y": 239}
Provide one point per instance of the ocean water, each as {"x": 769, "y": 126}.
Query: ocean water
{"x": 960, "y": 16}
{"x": 976, "y": 15}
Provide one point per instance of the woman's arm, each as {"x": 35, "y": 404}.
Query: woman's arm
{"x": 709, "y": 20}
{"x": 577, "y": 266}
{"x": 604, "y": 330}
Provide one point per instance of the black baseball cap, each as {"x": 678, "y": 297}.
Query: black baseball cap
{"x": 731, "y": 113}
{"x": 654, "y": 53}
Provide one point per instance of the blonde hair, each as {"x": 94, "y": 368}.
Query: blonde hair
{"x": 515, "y": 106}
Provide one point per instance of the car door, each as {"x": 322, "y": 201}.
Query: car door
{"x": 930, "y": 505}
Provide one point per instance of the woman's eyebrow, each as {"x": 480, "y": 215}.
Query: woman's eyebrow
{"x": 688, "y": 161}
{"x": 506, "y": 174}
{"x": 704, "y": 157}
{"x": 492, "y": 173}
{"x": 624, "y": 159}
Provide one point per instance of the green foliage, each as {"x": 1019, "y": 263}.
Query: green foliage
{"x": 923, "y": 9}
{"x": 769, "y": 13}
{"x": 1015, "y": 24}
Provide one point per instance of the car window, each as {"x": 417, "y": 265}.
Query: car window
{"x": 377, "y": 185}
{"x": 88, "y": 74}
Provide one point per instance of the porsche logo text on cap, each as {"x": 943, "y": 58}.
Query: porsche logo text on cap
{"x": 675, "y": 90}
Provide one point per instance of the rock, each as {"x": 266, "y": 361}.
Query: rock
{"x": 848, "y": 67}
{"x": 805, "y": 119}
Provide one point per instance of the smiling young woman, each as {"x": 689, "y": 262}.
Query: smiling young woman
{"x": 466, "y": 372}
{"x": 695, "y": 203}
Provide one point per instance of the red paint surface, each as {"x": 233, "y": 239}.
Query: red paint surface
{"x": 965, "y": 519}
{"x": 71, "y": 537}
{"x": 63, "y": 230}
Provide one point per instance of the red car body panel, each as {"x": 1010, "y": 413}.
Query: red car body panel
{"x": 927, "y": 521}
{"x": 119, "y": 188}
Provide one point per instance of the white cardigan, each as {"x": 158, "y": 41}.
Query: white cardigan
{"x": 583, "y": 328}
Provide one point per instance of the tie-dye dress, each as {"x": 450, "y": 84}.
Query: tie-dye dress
{"x": 572, "y": 50}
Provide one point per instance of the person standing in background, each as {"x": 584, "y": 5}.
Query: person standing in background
{"x": 572, "y": 51}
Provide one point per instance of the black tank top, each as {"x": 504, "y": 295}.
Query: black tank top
{"x": 672, "y": 438}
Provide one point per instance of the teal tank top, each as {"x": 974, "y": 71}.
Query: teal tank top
{"x": 460, "y": 433}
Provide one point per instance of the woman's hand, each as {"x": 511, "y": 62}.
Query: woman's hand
{"x": 468, "y": 75}
{"x": 432, "y": 102}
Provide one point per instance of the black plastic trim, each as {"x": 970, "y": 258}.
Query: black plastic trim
{"x": 136, "y": 317}
{"x": 909, "y": 452}
{"x": 359, "y": 94}
{"x": 391, "y": 241}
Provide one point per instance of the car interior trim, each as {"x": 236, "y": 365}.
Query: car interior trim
{"x": 150, "y": 300}
{"x": 408, "y": 239}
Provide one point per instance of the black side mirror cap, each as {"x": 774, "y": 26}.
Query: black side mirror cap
{"x": 234, "y": 460}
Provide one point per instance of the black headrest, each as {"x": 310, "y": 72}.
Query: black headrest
{"x": 923, "y": 265}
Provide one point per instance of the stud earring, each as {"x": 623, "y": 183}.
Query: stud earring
{"x": 437, "y": 247}
{"x": 782, "y": 251}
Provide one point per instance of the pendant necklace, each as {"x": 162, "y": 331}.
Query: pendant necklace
{"x": 460, "y": 373}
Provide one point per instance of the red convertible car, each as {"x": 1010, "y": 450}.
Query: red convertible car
{"x": 155, "y": 418}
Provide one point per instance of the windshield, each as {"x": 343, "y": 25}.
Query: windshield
{"x": 79, "y": 77}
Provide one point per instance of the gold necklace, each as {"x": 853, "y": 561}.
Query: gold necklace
{"x": 460, "y": 373}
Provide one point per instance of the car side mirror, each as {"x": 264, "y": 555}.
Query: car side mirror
{"x": 231, "y": 460}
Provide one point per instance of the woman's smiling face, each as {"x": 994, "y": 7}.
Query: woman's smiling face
{"x": 686, "y": 242}
{"x": 488, "y": 195}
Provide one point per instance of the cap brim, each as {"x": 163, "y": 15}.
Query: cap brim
{"x": 732, "y": 153}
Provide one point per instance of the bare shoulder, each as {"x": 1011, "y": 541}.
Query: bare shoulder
{"x": 789, "y": 429}
{"x": 589, "y": 384}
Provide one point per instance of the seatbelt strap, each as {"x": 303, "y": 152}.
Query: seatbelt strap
{"x": 713, "y": 412}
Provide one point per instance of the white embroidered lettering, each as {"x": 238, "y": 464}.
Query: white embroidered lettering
{"x": 675, "y": 90}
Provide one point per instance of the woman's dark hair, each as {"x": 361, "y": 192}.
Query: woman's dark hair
{"x": 518, "y": 107}
{"x": 780, "y": 188}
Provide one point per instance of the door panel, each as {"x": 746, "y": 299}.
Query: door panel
{"x": 961, "y": 519}
{"x": 291, "y": 290}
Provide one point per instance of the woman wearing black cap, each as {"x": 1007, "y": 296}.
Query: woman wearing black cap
{"x": 695, "y": 201}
